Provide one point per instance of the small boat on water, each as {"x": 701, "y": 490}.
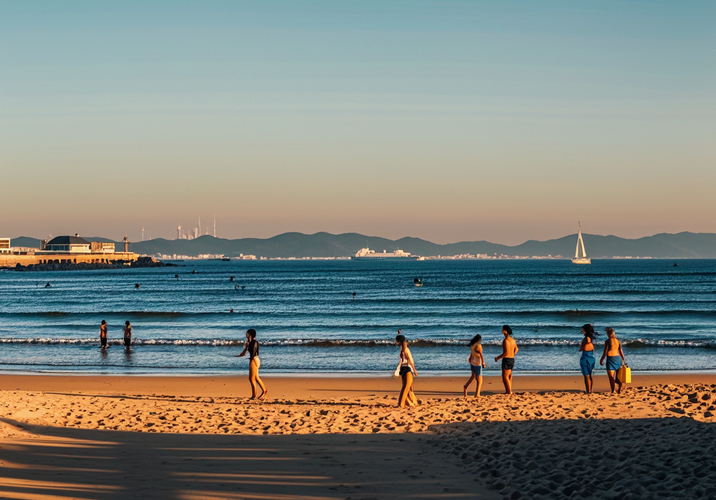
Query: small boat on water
{"x": 583, "y": 259}
{"x": 418, "y": 282}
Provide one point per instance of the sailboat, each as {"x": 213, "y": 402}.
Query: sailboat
{"x": 580, "y": 244}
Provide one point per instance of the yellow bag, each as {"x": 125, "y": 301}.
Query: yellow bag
{"x": 624, "y": 374}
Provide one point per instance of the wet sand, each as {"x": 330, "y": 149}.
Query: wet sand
{"x": 201, "y": 437}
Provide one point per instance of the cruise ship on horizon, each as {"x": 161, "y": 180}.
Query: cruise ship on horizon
{"x": 368, "y": 254}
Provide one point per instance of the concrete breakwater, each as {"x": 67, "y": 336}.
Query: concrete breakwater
{"x": 68, "y": 265}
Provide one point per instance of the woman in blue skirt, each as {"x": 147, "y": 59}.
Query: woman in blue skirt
{"x": 587, "y": 361}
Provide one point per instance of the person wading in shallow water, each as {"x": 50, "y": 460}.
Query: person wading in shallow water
{"x": 252, "y": 347}
{"x": 103, "y": 335}
{"x": 127, "y": 334}
{"x": 509, "y": 349}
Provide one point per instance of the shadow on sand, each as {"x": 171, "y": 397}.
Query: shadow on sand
{"x": 63, "y": 463}
{"x": 670, "y": 458}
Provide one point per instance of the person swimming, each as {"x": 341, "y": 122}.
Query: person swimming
{"x": 614, "y": 354}
{"x": 587, "y": 361}
{"x": 407, "y": 372}
{"x": 477, "y": 363}
{"x": 252, "y": 347}
{"x": 509, "y": 349}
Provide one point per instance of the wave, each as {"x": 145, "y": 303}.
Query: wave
{"x": 302, "y": 312}
{"x": 328, "y": 343}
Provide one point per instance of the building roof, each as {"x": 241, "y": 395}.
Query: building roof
{"x": 68, "y": 240}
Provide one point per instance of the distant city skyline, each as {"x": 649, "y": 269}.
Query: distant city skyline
{"x": 459, "y": 121}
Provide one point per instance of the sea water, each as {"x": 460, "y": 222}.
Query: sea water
{"x": 310, "y": 322}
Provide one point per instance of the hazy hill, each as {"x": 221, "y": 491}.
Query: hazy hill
{"x": 664, "y": 246}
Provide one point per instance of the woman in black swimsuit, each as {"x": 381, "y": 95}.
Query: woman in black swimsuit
{"x": 252, "y": 346}
{"x": 407, "y": 372}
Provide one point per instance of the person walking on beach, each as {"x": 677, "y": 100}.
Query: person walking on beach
{"x": 587, "y": 361}
{"x": 509, "y": 349}
{"x": 127, "y": 334}
{"x": 252, "y": 346}
{"x": 615, "y": 358}
{"x": 477, "y": 363}
{"x": 103, "y": 335}
{"x": 407, "y": 372}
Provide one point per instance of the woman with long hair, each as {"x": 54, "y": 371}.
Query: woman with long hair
{"x": 587, "y": 361}
{"x": 477, "y": 363}
{"x": 252, "y": 347}
{"x": 407, "y": 372}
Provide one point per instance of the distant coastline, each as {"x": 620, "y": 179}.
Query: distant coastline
{"x": 683, "y": 245}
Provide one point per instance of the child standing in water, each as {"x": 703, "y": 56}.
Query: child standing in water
{"x": 477, "y": 363}
{"x": 252, "y": 346}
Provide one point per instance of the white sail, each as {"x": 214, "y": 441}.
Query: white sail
{"x": 581, "y": 240}
{"x": 580, "y": 243}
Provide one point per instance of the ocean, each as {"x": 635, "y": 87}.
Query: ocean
{"x": 309, "y": 322}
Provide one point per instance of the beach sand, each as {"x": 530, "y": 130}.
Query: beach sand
{"x": 108, "y": 436}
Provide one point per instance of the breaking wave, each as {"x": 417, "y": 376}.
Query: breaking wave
{"x": 328, "y": 343}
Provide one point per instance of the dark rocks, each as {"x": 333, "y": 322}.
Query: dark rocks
{"x": 93, "y": 266}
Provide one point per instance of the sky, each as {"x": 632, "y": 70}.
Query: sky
{"x": 445, "y": 120}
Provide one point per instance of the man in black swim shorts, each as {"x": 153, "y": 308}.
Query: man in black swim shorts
{"x": 509, "y": 349}
{"x": 508, "y": 363}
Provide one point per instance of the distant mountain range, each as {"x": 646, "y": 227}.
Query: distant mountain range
{"x": 660, "y": 246}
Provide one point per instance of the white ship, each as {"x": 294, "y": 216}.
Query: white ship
{"x": 580, "y": 244}
{"x": 368, "y": 254}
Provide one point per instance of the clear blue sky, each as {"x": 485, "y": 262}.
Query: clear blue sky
{"x": 449, "y": 121}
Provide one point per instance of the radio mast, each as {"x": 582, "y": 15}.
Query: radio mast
{"x": 215, "y": 226}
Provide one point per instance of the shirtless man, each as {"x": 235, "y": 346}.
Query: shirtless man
{"x": 509, "y": 349}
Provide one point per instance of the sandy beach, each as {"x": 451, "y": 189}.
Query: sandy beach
{"x": 339, "y": 438}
